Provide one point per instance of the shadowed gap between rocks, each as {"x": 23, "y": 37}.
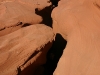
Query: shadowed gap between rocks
{"x": 46, "y": 13}
{"x": 58, "y": 46}
{"x": 54, "y": 54}
{"x": 26, "y": 24}
{"x": 35, "y": 68}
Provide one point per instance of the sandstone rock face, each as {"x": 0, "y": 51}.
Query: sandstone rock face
{"x": 78, "y": 21}
{"x": 22, "y": 52}
{"x": 24, "y": 42}
{"x": 19, "y": 12}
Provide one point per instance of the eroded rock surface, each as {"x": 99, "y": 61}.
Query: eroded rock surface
{"x": 78, "y": 21}
{"x": 19, "y": 13}
{"x": 22, "y": 52}
{"x": 24, "y": 42}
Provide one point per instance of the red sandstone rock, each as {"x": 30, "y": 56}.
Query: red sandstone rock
{"x": 78, "y": 21}
{"x": 24, "y": 51}
{"x": 19, "y": 12}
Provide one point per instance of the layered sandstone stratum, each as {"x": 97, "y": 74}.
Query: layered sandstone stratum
{"x": 33, "y": 35}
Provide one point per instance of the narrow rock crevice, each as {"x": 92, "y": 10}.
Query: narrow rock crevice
{"x": 46, "y": 15}
{"x": 12, "y": 28}
{"x": 26, "y": 24}
{"x": 35, "y": 68}
{"x": 54, "y": 54}
{"x": 18, "y": 71}
{"x": 18, "y": 24}
{"x": 56, "y": 51}
{"x": 2, "y": 29}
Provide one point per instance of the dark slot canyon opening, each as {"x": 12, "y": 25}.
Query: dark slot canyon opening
{"x": 56, "y": 51}
{"x": 54, "y": 54}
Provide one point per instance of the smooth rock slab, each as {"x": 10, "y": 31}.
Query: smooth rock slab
{"x": 78, "y": 21}
{"x": 16, "y": 13}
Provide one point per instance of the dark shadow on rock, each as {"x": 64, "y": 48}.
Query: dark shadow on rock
{"x": 46, "y": 15}
{"x": 54, "y": 55}
{"x": 35, "y": 67}
{"x": 55, "y": 2}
